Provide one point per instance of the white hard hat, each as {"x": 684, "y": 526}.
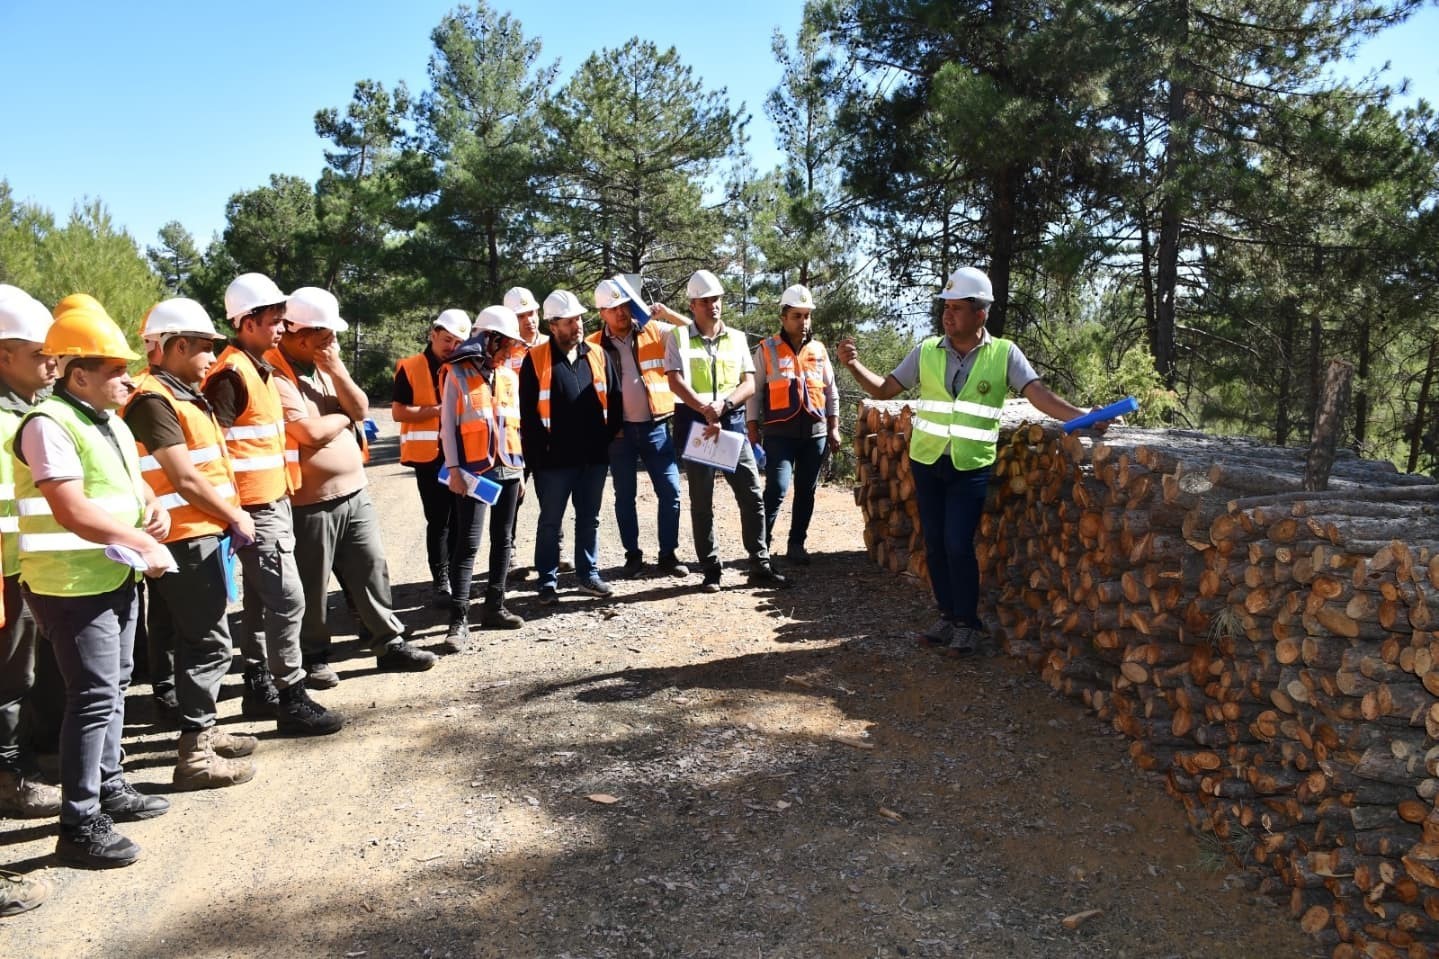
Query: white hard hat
{"x": 315, "y": 309}
{"x": 22, "y": 317}
{"x": 498, "y": 319}
{"x": 968, "y": 283}
{"x": 703, "y": 284}
{"x": 562, "y": 304}
{"x": 797, "y": 295}
{"x": 249, "y": 292}
{"x": 7, "y": 291}
{"x": 454, "y": 322}
{"x": 178, "y": 316}
{"x": 520, "y": 300}
{"x": 609, "y": 293}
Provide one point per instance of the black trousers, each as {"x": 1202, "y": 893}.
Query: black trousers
{"x": 438, "y": 503}
{"x": 470, "y": 525}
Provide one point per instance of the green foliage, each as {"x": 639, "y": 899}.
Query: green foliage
{"x": 85, "y": 255}
{"x": 634, "y": 136}
{"x": 175, "y": 258}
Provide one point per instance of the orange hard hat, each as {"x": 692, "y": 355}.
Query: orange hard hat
{"x": 83, "y": 328}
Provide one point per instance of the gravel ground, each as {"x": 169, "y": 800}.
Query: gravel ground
{"x": 671, "y": 773}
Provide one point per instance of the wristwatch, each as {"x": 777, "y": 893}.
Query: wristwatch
{"x": 728, "y": 407}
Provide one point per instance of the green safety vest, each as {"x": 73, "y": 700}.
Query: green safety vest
{"x": 717, "y": 376}
{"x": 968, "y": 423}
{"x": 53, "y": 560}
{"x": 9, "y": 524}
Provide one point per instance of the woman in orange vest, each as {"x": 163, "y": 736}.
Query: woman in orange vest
{"x": 415, "y": 405}
{"x": 796, "y": 406}
{"x": 480, "y": 438}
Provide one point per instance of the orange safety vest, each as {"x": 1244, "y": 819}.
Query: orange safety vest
{"x": 281, "y": 365}
{"x": 420, "y": 440}
{"x": 795, "y": 384}
{"x": 206, "y": 445}
{"x": 265, "y": 461}
{"x": 515, "y": 358}
{"x": 484, "y": 414}
{"x": 540, "y": 355}
{"x": 649, "y": 352}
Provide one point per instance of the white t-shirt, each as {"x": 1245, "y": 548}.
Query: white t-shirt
{"x": 50, "y": 451}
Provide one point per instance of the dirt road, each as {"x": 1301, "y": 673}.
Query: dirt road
{"x": 790, "y": 776}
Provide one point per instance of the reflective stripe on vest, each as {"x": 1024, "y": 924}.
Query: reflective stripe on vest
{"x": 281, "y": 363}
{"x": 541, "y": 356}
{"x": 647, "y": 346}
{"x": 793, "y": 384}
{"x": 711, "y": 377}
{"x": 968, "y": 423}
{"x": 420, "y": 440}
{"x": 256, "y": 441}
{"x": 9, "y": 523}
{"x": 203, "y": 441}
{"x": 483, "y": 415}
{"x": 53, "y": 560}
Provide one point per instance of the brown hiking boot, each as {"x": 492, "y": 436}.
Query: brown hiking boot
{"x": 231, "y": 745}
{"x": 25, "y": 798}
{"x": 200, "y": 768}
{"x": 21, "y": 893}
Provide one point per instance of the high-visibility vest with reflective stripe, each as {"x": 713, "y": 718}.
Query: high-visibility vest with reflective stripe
{"x": 282, "y": 366}
{"x": 967, "y": 423}
{"x": 420, "y": 440}
{"x": 793, "y": 384}
{"x": 9, "y": 519}
{"x": 206, "y": 447}
{"x": 53, "y": 560}
{"x": 717, "y": 377}
{"x": 541, "y": 355}
{"x": 649, "y": 353}
{"x": 487, "y": 420}
{"x": 514, "y": 357}
{"x": 265, "y": 461}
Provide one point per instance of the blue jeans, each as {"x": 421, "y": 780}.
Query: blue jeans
{"x": 950, "y": 504}
{"x": 650, "y": 442}
{"x": 555, "y": 487}
{"x": 798, "y": 458}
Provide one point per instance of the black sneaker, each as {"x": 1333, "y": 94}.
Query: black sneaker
{"x": 125, "y": 803}
{"x": 549, "y": 596}
{"x": 260, "y": 700}
{"x": 765, "y": 574}
{"x": 457, "y": 637}
{"x": 566, "y": 566}
{"x": 302, "y": 716}
{"x": 596, "y": 587}
{"x": 440, "y": 587}
{"x": 711, "y": 582}
{"x": 634, "y": 564}
{"x": 671, "y": 564}
{"x": 94, "y": 844}
{"x": 797, "y": 555}
{"x": 167, "y": 708}
{"x": 495, "y": 616}
{"x": 404, "y": 658}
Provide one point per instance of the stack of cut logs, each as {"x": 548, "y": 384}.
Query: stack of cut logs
{"x": 1271, "y": 653}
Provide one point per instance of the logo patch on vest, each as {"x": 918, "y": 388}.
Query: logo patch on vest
{"x": 983, "y": 387}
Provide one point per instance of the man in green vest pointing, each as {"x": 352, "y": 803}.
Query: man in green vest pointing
{"x": 963, "y": 379}
{"x": 78, "y": 490}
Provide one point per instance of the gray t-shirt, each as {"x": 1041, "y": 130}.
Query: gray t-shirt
{"x": 632, "y": 385}
{"x": 957, "y": 368}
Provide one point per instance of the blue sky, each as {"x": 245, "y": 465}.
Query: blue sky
{"x": 164, "y": 109}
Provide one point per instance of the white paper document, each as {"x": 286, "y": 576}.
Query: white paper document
{"x": 721, "y": 451}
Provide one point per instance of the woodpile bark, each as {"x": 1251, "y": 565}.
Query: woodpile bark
{"x": 1272, "y": 654}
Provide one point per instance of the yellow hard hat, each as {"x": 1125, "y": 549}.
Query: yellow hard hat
{"x": 83, "y": 328}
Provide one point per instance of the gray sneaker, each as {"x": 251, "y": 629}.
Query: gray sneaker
{"x": 965, "y": 642}
{"x": 940, "y": 634}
